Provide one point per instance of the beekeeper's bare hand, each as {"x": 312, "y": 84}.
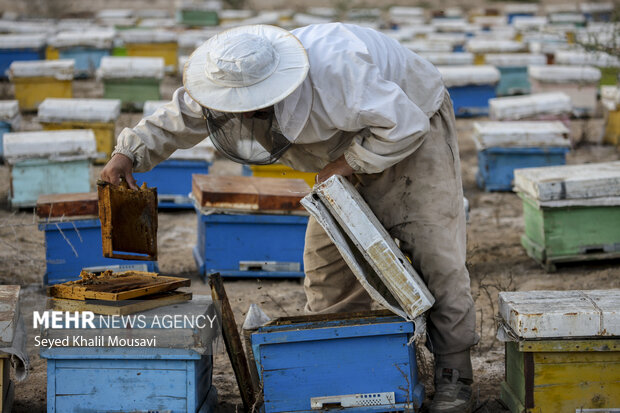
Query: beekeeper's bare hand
{"x": 337, "y": 167}
{"x": 119, "y": 167}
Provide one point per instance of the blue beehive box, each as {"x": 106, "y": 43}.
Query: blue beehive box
{"x": 514, "y": 79}
{"x": 174, "y": 376}
{"x": 85, "y": 47}
{"x": 241, "y": 240}
{"x": 20, "y": 47}
{"x": 506, "y": 146}
{"x": 470, "y": 88}
{"x": 364, "y": 363}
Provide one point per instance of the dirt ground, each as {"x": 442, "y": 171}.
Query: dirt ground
{"x": 496, "y": 261}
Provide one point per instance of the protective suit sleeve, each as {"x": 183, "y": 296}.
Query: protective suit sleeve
{"x": 178, "y": 124}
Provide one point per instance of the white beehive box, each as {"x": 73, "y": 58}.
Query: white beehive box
{"x": 367, "y": 248}
{"x": 74, "y": 144}
{"x": 454, "y": 76}
{"x": 570, "y": 182}
{"x": 530, "y": 106}
{"x": 58, "y": 69}
{"x": 113, "y": 67}
{"x": 86, "y": 110}
{"x": 561, "y": 314}
{"x": 520, "y": 134}
{"x": 515, "y": 59}
{"x": 98, "y": 39}
{"x": 449, "y": 59}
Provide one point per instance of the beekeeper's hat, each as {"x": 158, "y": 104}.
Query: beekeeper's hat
{"x": 245, "y": 68}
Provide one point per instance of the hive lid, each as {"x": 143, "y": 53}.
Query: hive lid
{"x": 515, "y": 59}
{"x": 67, "y": 205}
{"x": 235, "y": 14}
{"x": 79, "y": 143}
{"x": 527, "y": 106}
{"x": 148, "y": 36}
{"x": 22, "y": 41}
{"x": 596, "y": 7}
{"x": 114, "y": 14}
{"x": 469, "y": 75}
{"x": 490, "y": 20}
{"x": 529, "y": 22}
{"x": 193, "y": 38}
{"x": 420, "y": 46}
{"x": 451, "y": 38}
{"x": 449, "y": 58}
{"x": 367, "y": 248}
{"x": 9, "y": 109}
{"x": 9, "y": 313}
{"x": 61, "y": 69}
{"x": 100, "y": 39}
{"x": 406, "y": 11}
{"x": 247, "y": 193}
{"x": 203, "y": 151}
{"x": 495, "y": 46}
{"x": 561, "y": 314}
{"x": 564, "y": 74}
{"x": 585, "y": 58}
{"x": 595, "y": 180}
{"x": 113, "y": 67}
{"x": 89, "y": 110}
{"x": 566, "y": 17}
{"x": 520, "y": 134}
{"x": 521, "y": 8}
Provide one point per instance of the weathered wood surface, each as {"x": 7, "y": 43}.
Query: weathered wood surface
{"x": 528, "y": 106}
{"x": 249, "y": 193}
{"x": 116, "y": 286}
{"x": 373, "y": 256}
{"x": 561, "y": 314}
{"x": 67, "y": 205}
{"x": 520, "y": 134}
{"x": 9, "y": 313}
{"x": 124, "y": 307}
{"x": 232, "y": 340}
{"x": 46, "y": 144}
{"x": 551, "y": 183}
{"x": 128, "y": 221}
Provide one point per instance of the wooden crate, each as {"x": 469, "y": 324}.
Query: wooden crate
{"x": 360, "y": 362}
{"x": 559, "y": 359}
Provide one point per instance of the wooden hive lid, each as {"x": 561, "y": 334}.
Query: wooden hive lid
{"x": 248, "y": 193}
{"x": 79, "y": 143}
{"x": 67, "y": 205}
{"x": 561, "y": 314}
{"x": 520, "y": 134}
{"x": 61, "y": 69}
{"x": 526, "y": 106}
{"x": 469, "y": 75}
{"x": 9, "y": 313}
{"x": 552, "y": 183}
{"x": 87, "y": 110}
{"x": 97, "y": 38}
{"x": 121, "y": 67}
{"x": 564, "y": 74}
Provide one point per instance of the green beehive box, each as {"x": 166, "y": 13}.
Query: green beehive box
{"x": 571, "y": 213}
{"x": 133, "y": 80}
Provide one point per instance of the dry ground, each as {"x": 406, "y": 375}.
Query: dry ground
{"x": 496, "y": 261}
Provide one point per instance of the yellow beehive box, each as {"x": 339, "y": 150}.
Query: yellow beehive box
{"x": 152, "y": 43}
{"x": 610, "y": 98}
{"x": 36, "y": 80}
{"x": 282, "y": 171}
{"x": 97, "y": 114}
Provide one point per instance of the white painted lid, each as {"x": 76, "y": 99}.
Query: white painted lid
{"x": 90, "y": 110}
{"x": 100, "y": 39}
{"x": 45, "y": 144}
{"x": 150, "y": 106}
{"x": 522, "y": 134}
{"x": 449, "y": 58}
{"x": 147, "y": 36}
{"x": 527, "y": 106}
{"x": 194, "y": 38}
{"x": 235, "y": 14}
{"x": 421, "y": 46}
{"x": 551, "y": 183}
{"x": 451, "y": 25}
{"x": 561, "y": 314}
{"x": 114, "y": 14}
{"x": 116, "y": 67}
{"x": 567, "y": 18}
{"x": 584, "y": 58}
{"x": 469, "y": 75}
{"x": 491, "y": 20}
{"x": 596, "y": 7}
{"x": 561, "y": 8}
{"x": 515, "y": 59}
{"x": 521, "y": 8}
{"x": 404, "y": 11}
{"x": 263, "y": 17}
{"x": 61, "y": 69}
{"x": 525, "y": 22}
{"x": 497, "y": 46}
{"x": 304, "y": 19}
{"x": 22, "y": 41}
{"x": 8, "y": 110}
{"x": 564, "y": 74}
{"x": 496, "y": 33}
{"x": 452, "y": 38}
{"x": 24, "y": 27}
{"x": 205, "y": 150}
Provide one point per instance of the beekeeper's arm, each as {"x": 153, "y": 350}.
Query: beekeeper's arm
{"x": 177, "y": 125}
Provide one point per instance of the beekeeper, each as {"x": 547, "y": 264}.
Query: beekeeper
{"x": 336, "y": 99}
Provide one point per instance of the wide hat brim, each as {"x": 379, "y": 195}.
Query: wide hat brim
{"x": 290, "y": 72}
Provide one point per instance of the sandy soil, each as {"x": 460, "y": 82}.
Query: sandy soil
{"x": 496, "y": 261}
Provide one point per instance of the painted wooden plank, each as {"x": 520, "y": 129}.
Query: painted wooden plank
{"x": 90, "y": 110}
{"x": 46, "y": 144}
{"x": 469, "y": 75}
{"x": 570, "y": 181}
{"x": 9, "y": 313}
{"x": 374, "y": 243}
{"x": 549, "y": 314}
{"x": 116, "y": 286}
{"x": 128, "y": 221}
{"x": 529, "y": 106}
{"x": 520, "y": 134}
{"x": 248, "y": 193}
{"x": 67, "y": 205}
